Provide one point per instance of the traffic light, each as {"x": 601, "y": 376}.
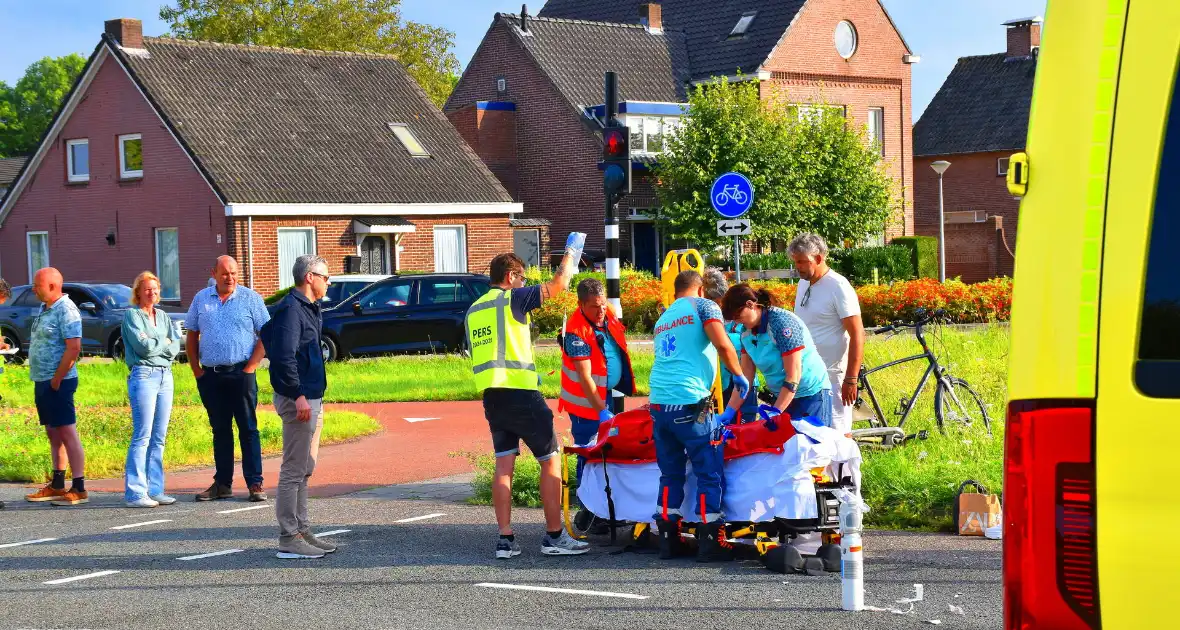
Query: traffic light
{"x": 616, "y": 159}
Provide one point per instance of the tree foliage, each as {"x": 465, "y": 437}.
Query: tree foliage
{"x": 811, "y": 173}
{"x": 373, "y": 26}
{"x": 27, "y": 108}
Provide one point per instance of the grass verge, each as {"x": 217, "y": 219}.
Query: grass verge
{"x": 106, "y": 433}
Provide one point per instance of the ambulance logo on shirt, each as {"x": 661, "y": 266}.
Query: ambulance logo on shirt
{"x": 668, "y": 345}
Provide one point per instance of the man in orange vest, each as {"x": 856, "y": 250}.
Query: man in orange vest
{"x": 595, "y": 362}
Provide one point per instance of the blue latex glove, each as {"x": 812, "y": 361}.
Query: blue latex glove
{"x": 574, "y": 243}
{"x": 728, "y": 416}
{"x": 605, "y": 415}
{"x": 769, "y": 411}
{"x": 742, "y": 384}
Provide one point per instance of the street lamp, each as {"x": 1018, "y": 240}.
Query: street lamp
{"x": 940, "y": 167}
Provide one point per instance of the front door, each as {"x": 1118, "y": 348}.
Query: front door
{"x": 645, "y": 247}
{"x": 373, "y": 254}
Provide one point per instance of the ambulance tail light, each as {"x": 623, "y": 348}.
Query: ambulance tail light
{"x": 1050, "y": 550}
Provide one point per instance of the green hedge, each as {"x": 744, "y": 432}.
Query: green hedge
{"x": 923, "y": 254}
{"x": 891, "y": 262}
{"x": 280, "y": 294}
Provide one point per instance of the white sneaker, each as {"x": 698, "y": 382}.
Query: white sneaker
{"x": 564, "y": 545}
{"x": 164, "y": 499}
{"x": 142, "y": 502}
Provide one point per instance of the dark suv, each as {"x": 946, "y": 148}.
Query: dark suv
{"x": 101, "y": 306}
{"x": 403, "y": 314}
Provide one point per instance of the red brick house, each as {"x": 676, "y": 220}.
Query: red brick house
{"x": 168, "y": 153}
{"x": 530, "y": 100}
{"x": 978, "y": 118}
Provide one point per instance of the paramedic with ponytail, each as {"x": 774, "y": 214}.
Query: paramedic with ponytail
{"x": 776, "y": 342}
{"x": 502, "y": 358}
{"x": 688, "y": 338}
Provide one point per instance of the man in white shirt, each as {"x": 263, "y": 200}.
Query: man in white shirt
{"x": 827, "y": 303}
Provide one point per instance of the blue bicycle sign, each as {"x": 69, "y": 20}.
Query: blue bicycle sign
{"x": 732, "y": 195}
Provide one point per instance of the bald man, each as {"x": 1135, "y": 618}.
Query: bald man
{"x": 224, "y": 351}
{"x": 54, "y": 346}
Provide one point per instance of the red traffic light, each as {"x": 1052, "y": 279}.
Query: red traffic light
{"x": 615, "y": 142}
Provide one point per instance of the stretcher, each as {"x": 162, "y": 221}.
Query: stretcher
{"x": 782, "y": 481}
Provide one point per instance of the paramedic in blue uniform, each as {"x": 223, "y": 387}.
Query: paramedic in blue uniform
{"x": 715, "y": 287}
{"x": 689, "y": 336}
{"x": 777, "y": 343}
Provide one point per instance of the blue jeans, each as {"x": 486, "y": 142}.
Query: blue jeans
{"x": 680, "y": 439}
{"x": 150, "y": 391}
{"x": 818, "y": 405}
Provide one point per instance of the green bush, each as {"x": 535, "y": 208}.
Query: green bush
{"x": 280, "y": 294}
{"x": 892, "y": 263}
{"x": 923, "y": 254}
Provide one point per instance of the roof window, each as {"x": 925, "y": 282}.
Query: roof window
{"x": 403, "y": 133}
{"x": 743, "y": 24}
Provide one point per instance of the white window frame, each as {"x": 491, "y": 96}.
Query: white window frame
{"x": 123, "y": 172}
{"x": 462, "y": 242}
{"x": 669, "y": 127}
{"x": 29, "y": 251}
{"x": 70, "y": 176}
{"x": 878, "y": 112}
{"x": 1002, "y": 167}
{"x": 156, "y": 236}
{"x": 315, "y": 244}
{"x": 805, "y": 110}
{"x": 389, "y": 264}
{"x": 405, "y": 129}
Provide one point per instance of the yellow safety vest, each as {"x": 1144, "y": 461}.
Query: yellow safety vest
{"x": 501, "y": 347}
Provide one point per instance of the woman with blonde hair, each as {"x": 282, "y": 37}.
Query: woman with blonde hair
{"x": 151, "y": 342}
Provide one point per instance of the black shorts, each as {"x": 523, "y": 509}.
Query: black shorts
{"x": 56, "y": 408}
{"x": 519, "y": 414}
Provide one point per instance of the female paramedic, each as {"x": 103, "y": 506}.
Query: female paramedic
{"x": 777, "y": 343}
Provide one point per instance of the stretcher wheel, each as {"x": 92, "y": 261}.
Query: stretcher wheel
{"x": 583, "y": 520}
{"x": 783, "y": 559}
{"x": 813, "y": 566}
{"x": 829, "y": 554}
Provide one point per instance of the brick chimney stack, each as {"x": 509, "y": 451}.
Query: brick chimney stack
{"x": 126, "y": 31}
{"x": 1023, "y": 36}
{"x": 651, "y": 15}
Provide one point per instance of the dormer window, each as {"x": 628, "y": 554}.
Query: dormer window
{"x": 743, "y": 24}
{"x": 403, "y": 133}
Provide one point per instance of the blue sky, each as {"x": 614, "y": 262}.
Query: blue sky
{"x": 940, "y": 31}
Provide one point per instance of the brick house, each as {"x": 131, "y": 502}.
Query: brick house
{"x": 530, "y": 100}
{"x": 978, "y": 118}
{"x": 168, "y": 153}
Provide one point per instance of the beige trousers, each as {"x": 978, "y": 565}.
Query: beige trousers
{"x": 301, "y": 445}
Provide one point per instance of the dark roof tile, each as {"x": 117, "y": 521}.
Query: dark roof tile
{"x": 982, "y": 106}
{"x": 9, "y": 169}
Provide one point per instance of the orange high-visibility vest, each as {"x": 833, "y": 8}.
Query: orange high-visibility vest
{"x": 573, "y": 399}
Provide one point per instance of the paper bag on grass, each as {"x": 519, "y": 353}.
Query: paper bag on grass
{"x": 976, "y": 511}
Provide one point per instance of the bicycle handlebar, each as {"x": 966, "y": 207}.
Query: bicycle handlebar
{"x": 921, "y": 318}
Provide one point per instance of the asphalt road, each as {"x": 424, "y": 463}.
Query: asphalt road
{"x": 427, "y": 573}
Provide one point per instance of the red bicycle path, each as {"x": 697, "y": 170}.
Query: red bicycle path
{"x": 402, "y": 452}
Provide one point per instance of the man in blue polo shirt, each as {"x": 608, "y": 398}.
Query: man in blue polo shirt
{"x": 688, "y": 337}
{"x": 224, "y": 351}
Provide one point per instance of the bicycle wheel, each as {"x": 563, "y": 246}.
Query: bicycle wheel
{"x": 959, "y": 407}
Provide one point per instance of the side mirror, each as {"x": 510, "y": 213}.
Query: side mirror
{"x": 356, "y": 308}
{"x": 88, "y": 306}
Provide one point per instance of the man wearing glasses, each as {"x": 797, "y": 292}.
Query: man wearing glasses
{"x": 827, "y": 303}
{"x": 292, "y": 342}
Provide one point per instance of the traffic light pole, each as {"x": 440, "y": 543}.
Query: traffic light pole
{"x": 613, "y": 290}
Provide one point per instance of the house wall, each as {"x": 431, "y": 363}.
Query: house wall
{"x": 805, "y": 67}
{"x": 171, "y": 193}
{"x": 975, "y": 251}
{"x": 972, "y": 183}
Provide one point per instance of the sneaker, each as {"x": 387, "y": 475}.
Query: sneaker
{"x": 72, "y": 497}
{"x": 296, "y": 548}
{"x": 506, "y": 549}
{"x": 142, "y": 502}
{"x": 215, "y": 493}
{"x": 164, "y": 499}
{"x": 256, "y": 493}
{"x": 565, "y": 545}
{"x": 318, "y": 543}
{"x": 48, "y": 493}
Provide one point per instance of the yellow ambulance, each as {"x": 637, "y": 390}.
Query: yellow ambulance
{"x": 1090, "y": 509}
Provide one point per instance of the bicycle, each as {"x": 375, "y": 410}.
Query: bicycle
{"x": 731, "y": 192}
{"x": 955, "y": 403}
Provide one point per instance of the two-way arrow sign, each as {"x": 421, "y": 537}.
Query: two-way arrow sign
{"x": 733, "y": 227}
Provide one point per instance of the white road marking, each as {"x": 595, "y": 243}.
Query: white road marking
{"x": 27, "y": 542}
{"x": 156, "y": 522}
{"x": 245, "y": 509}
{"x": 81, "y": 577}
{"x": 420, "y": 419}
{"x": 568, "y": 591}
{"x": 421, "y": 518}
{"x": 333, "y": 533}
{"x": 210, "y": 555}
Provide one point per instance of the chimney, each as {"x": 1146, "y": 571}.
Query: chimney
{"x": 524, "y": 18}
{"x": 126, "y": 31}
{"x": 1024, "y": 36}
{"x": 651, "y": 16}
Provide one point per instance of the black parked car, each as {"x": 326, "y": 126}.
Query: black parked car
{"x": 403, "y": 314}
{"x": 101, "y": 306}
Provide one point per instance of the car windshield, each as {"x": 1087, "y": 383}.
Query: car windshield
{"x": 113, "y": 295}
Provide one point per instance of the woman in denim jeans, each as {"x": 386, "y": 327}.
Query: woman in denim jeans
{"x": 151, "y": 342}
